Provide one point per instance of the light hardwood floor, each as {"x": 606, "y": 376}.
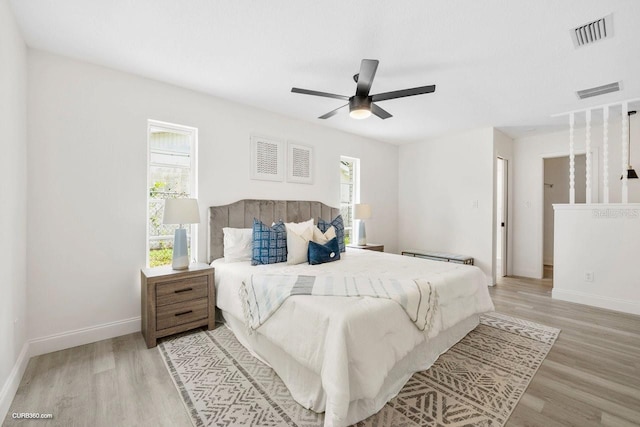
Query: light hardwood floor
{"x": 591, "y": 377}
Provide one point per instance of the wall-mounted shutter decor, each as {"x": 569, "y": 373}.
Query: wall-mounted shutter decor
{"x": 300, "y": 163}
{"x": 267, "y": 159}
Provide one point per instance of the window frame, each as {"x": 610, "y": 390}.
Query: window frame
{"x": 355, "y": 193}
{"x": 192, "y": 133}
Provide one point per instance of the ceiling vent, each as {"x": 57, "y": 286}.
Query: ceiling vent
{"x": 593, "y": 31}
{"x": 598, "y": 90}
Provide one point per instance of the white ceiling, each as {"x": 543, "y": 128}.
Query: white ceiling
{"x": 504, "y": 63}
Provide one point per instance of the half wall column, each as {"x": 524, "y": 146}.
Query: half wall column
{"x": 625, "y": 152}
{"x": 572, "y": 161}
{"x": 605, "y": 152}
{"x": 588, "y": 156}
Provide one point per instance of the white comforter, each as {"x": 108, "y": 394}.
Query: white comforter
{"x": 352, "y": 343}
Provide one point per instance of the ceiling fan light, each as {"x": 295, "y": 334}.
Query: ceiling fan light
{"x": 360, "y": 107}
{"x": 360, "y": 114}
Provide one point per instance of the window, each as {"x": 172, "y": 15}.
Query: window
{"x": 349, "y": 192}
{"x": 171, "y": 173}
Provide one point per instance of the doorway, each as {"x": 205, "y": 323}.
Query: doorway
{"x": 502, "y": 187}
{"x": 556, "y": 191}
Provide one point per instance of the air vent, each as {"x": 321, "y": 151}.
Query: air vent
{"x": 593, "y": 31}
{"x": 598, "y": 90}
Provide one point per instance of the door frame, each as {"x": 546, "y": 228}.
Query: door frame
{"x": 595, "y": 194}
{"x": 504, "y": 244}
{"x": 507, "y": 156}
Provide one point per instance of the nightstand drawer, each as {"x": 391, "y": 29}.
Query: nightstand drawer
{"x": 183, "y": 312}
{"x": 181, "y": 290}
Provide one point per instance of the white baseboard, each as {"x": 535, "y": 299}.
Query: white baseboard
{"x": 524, "y": 272}
{"x": 64, "y": 340}
{"x": 10, "y": 386}
{"x": 616, "y": 304}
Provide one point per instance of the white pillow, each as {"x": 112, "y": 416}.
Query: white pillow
{"x": 299, "y": 227}
{"x": 322, "y": 238}
{"x": 238, "y": 244}
{"x": 298, "y": 243}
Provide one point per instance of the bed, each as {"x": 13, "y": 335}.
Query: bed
{"x": 345, "y": 356}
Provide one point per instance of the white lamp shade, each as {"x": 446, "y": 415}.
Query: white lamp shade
{"x": 362, "y": 211}
{"x": 181, "y": 211}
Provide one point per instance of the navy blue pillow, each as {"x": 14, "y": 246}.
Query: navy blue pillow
{"x": 338, "y": 224}
{"x": 319, "y": 254}
{"x": 269, "y": 243}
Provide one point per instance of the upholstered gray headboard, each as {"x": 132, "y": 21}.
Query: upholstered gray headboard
{"x": 240, "y": 215}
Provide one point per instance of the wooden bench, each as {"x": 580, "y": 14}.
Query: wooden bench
{"x": 439, "y": 256}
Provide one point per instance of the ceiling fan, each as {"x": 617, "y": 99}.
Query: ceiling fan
{"x": 362, "y": 105}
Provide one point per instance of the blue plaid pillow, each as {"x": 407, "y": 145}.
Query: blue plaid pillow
{"x": 338, "y": 224}
{"x": 269, "y": 243}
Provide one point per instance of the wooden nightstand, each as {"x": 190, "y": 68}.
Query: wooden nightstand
{"x": 176, "y": 300}
{"x": 369, "y": 247}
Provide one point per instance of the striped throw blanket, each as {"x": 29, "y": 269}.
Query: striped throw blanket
{"x": 263, "y": 294}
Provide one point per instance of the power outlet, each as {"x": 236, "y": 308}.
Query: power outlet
{"x": 588, "y": 276}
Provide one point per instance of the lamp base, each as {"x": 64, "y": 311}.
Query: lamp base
{"x": 362, "y": 234}
{"x": 180, "y": 251}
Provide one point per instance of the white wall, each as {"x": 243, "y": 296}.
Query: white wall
{"x": 445, "y": 196}
{"x": 556, "y": 173}
{"x": 601, "y": 240}
{"x": 13, "y": 213}
{"x": 528, "y": 206}
{"x": 87, "y": 186}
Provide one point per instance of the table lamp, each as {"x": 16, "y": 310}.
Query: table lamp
{"x": 361, "y": 212}
{"x": 180, "y": 211}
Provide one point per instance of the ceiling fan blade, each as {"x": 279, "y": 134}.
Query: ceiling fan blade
{"x": 382, "y": 113}
{"x": 333, "y": 112}
{"x": 316, "y": 93}
{"x": 402, "y": 93}
{"x": 368, "y": 69}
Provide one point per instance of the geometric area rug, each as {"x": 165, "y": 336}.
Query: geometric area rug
{"x": 477, "y": 382}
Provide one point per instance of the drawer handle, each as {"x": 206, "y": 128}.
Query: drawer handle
{"x": 182, "y": 313}
{"x": 183, "y": 290}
